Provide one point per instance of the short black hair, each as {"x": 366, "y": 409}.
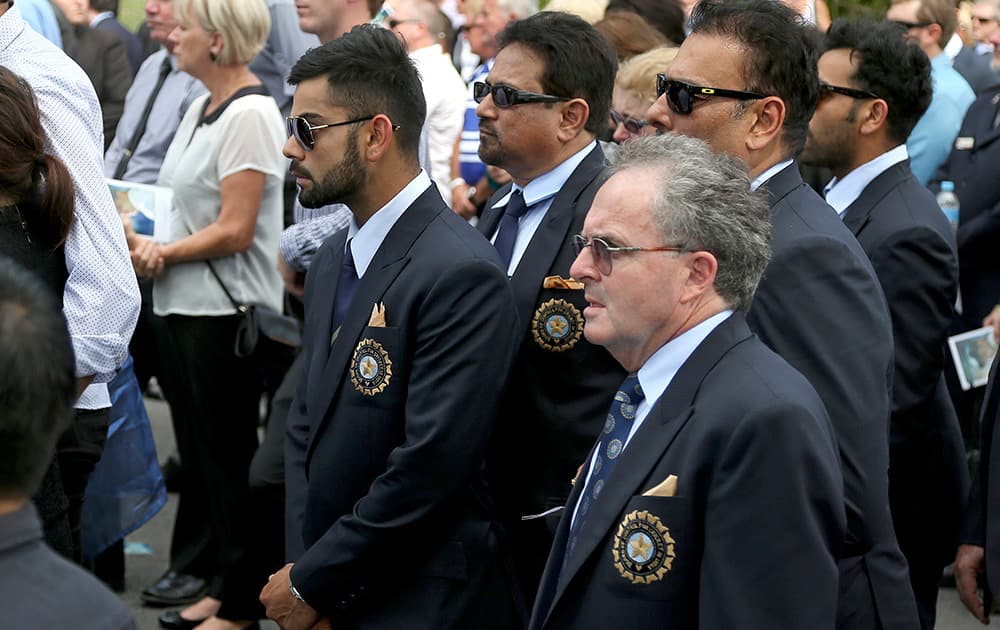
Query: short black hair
{"x": 369, "y": 72}
{"x": 780, "y": 55}
{"x": 104, "y": 5}
{"x": 579, "y": 62}
{"x": 889, "y": 65}
{"x": 38, "y": 386}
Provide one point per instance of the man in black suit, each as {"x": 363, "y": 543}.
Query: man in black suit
{"x": 103, "y": 15}
{"x": 875, "y": 87}
{"x": 745, "y": 81}
{"x": 407, "y": 316}
{"x": 560, "y": 383}
{"x": 713, "y": 498}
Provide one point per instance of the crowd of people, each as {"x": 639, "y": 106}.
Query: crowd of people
{"x": 621, "y": 313}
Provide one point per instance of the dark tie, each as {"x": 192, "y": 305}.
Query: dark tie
{"x": 504, "y": 242}
{"x": 346, "y": 287}
{"x": 609, "y": 448}
{"x": 133, "y": 143}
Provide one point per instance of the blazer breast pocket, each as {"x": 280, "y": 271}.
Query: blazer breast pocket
{"x": 556, "y": 325}
{"x": 377, "y": 368}
{"x": 655, "y": 550}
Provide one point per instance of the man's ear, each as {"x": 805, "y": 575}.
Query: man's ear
{"x": 769, "y": 119}
{"x": 378, "y": 139}
{"x": 876, "y": 117}
{"x": 702, "y": 269}
{"x": 575, "y": 114}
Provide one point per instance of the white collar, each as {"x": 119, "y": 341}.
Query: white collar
{"x": 761, "y": 179}
{"x": 953, "y": 47}
{"x": 550, "y": 183}
{"x": 366, "y": 240}
{"x": 841, "y": 193}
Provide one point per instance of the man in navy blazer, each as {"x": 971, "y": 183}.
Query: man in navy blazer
{"x": 408, "y": 315}
{"x": 875, "y": 87}
{"x": 713, "y": 498}
{"x": 560, "y": 382}
{"x": 819, "y": 304}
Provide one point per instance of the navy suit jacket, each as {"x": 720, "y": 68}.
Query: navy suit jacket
{"x": 972, "y": 165}
{"x": 133, "y": 47}
{"x": 751, "y": 537}
{"x": 395, "y": 524}
{"x": 975, "y": 69}
{"x": 560, "y": 390}
{"x": 820, "y": 306}
{"x": 910, "y": 244}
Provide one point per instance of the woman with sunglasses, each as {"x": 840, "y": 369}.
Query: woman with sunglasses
{"x": 635, "y": 91}
{"x": 226, "y": 171}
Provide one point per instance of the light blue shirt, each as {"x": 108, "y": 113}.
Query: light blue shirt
{"x": 538, "y": 196}
{"x": 101, "y": 297}
{"x": 40, "y": 16}
{"x": 179, "y": 90}
{"x": 366, "y": 240}
{"x": 659, "y": 370}
{"x": 841, "y": 193}
{"x": 931, "y": 140}
{"x": 761, "y": 179}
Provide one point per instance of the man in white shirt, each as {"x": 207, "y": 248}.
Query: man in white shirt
{"x": 875, "y": 86}
{"x": 419, "y": 22}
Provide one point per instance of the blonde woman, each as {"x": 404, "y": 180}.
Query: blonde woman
{"x": 635, "y": 91}
{"x": 226, "y": 170}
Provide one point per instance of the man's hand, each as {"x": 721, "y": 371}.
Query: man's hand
{"x": 146, "y": 258}
{"x": 993, "y": 320}
{"x": 968, "y": 567}
{"x": 295, "y": 281}
{"x": 290, "y": 613}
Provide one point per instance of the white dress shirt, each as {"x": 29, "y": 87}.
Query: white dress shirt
{"x": 841, "y": 193}
{"x": 366, "y": 240}
{"x": 539, "y": 193}
{"x": 101, "y": 298}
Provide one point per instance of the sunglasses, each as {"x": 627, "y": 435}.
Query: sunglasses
{"x": 505, "y": 96}
{"x": 632, "y": 125}
{"x": 909, "y": 25}
{"x": 681, "y": 96}
{"x": 846, "y": 91}
{"x": 300, "y": 128}
{"x": 602, "y": 252}
{"x": 393, "y": 22}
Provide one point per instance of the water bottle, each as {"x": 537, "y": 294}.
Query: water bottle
{"x": 948, "y": 202}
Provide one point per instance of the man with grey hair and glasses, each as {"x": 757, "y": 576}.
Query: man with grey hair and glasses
{"x": 715, "y": 484}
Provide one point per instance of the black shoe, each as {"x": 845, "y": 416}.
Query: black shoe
{"x": 174, "y": 589}
{"x": 172, "y": 620}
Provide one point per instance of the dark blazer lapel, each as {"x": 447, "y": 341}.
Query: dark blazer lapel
{"x": 389, "y": 260}
{"x": 549, "y": 238}
{"x": 783, "y": 183}
{"x": 322, "y": 306}
{"x": 858, "y": 213}
{"x": 668, "y": 417}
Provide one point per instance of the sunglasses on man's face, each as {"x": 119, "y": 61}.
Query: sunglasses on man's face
{"x": 681, "y": 96}
{"x": 301, "y": 129}
{"x": 826, "y": 89}
{"x": 632, "y": 125}
{"x": 602, "y": 251}
{"x": 908, "y": 25}
{"x": 505, "y": 96}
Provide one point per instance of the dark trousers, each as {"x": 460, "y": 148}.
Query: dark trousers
{"x": 214, "y": 403}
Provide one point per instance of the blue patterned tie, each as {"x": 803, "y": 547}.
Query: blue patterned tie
{"x": 612, "y": 443}
{"x": 504, "y": 242}
{"x": 346, "y": 287}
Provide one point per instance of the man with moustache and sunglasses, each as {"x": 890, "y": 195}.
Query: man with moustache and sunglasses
{"x": 538, "y": 119}
{"x": 408, "y": 315}
{"x": 746, "y": 82}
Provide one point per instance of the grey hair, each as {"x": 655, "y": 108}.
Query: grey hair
{"x": 704, "y": 203}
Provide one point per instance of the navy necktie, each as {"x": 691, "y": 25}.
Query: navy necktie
{"x": 504, "y": 242}
{"x": 346, "y": 287}
{"x": 612, "y": 442}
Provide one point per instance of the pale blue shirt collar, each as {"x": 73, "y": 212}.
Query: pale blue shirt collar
{"x": 366, "y": 240}
{"x": 953, "y": 47}
{"x": 100, "y": 17}
{"x": 761, "y": 179}
{"x": 841, "y": 193}
{"x": 548, "y": 184}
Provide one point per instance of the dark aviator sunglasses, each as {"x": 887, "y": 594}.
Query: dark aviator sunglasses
{"x": 681, "y": 96}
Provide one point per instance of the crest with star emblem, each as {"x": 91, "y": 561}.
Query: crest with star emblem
{"x": 371, "y": 367}
{"x": 643, "y": 549}
{"x": 557, "y": 325}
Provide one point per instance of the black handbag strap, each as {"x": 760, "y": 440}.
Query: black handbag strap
{"x": 240, "y": 308}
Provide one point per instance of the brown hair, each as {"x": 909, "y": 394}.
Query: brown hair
{"x": 629, "y": 33}
{"x": 27, "y": 173}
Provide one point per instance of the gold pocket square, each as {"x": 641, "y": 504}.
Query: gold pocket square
{"x": 558, "y": 282}
{"x": 666, "y": 488}
{"x": 377, "y": 320}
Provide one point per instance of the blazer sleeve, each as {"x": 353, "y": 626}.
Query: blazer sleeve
{"x": 463, "y": 338}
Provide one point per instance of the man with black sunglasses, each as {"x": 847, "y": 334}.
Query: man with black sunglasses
{"x": 819, "y": 304}
{"x": 539, "y": 120}
{"x": 876, "y": 86}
